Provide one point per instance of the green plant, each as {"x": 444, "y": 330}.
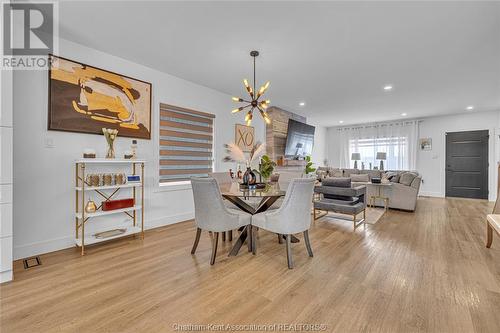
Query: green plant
{"x": 266, "y": 167}
{"x": 309, "y": 167}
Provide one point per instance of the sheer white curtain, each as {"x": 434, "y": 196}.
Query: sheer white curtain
{"x": 399, "y": 140}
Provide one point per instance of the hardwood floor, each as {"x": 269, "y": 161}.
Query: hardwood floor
{"x": 426, "y": 271}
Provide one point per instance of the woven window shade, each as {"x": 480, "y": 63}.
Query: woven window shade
{"x": 186, "y": 143}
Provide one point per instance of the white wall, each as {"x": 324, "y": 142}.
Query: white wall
{"x": 431, "y": 164}
{"x": 319, "y": 152}
{"x": 44, "y": 177}
{"x": 6, "y": 135}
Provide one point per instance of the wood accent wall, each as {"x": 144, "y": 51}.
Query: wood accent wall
{"x": 276, "y": 132}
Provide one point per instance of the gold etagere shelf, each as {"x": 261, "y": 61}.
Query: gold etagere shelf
{"x": 81, "y": 187}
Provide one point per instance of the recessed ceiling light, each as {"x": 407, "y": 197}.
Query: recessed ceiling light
{"x": 404, "y": 114}
{"x": 302, "y": 103}
{"x": 341, "y": 121}
{"x": 470, "y": 107}
{"x": 388, "y": 87}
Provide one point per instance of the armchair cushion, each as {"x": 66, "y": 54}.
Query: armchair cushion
{"x": 337, "y": 182}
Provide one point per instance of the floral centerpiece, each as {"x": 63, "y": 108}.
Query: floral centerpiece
{"x": 235, "y": 154}
{"x": 110, "y": 135}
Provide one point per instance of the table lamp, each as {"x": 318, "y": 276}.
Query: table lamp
{"x": 382, "y": 157}
{"x": 355, "y": 157}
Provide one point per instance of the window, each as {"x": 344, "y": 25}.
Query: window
{"x": 396, "y": 149}
{"x": 186, "y": 144}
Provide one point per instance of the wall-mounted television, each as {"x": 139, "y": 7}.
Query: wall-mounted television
{"x": 299, "y": 140}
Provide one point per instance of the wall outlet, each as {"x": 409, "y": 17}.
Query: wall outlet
{"x": 49, "y": 142}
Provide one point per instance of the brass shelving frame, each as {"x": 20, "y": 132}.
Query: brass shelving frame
{"x": 81, "y": 217}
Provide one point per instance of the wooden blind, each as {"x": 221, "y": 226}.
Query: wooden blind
{"x": 186, "y": 143}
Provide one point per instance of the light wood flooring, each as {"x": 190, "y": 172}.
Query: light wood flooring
{"x": 427, "y": 271}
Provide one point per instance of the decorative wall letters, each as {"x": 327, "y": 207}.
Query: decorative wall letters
{"x": 244, "y": 137}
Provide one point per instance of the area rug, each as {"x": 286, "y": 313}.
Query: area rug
{"x": 373, "y": 215}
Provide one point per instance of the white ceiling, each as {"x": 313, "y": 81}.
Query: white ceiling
{"x": 335, "y": 56}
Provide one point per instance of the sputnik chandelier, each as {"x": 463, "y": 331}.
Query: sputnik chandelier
{"x": 254, "y": 102}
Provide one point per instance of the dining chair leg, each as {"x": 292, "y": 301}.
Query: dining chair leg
{"x": 230, "y": 235}
{"x": 249, "y": 237}
{"x": 215, "y": 241}
{"x": 289, "y": 251}
{"x": 254, "y": 243}
{"x": 489, "y": 235}
{"x": 308, "y": 243}
{"x": 223, "y": 236}
{"x": 196, "y": 240}
{"x": 354, "y": 221}
{"x": 314, "y": 213}
{"x": 280, "y": 239}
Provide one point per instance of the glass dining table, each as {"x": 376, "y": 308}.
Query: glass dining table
{"x": 252, "y": 201}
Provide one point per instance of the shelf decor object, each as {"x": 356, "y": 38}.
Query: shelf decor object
{"x": 90, "y": 207}
{"x": 117, "y": 204}
{"x": 108, "y": 193}
{"x": 110, "y": 135}
{"x": 254, "y": 102}
{"x": 109, "y": 233}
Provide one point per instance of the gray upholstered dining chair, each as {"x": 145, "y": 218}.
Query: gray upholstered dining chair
{"x": 212, "y": 215}
{"x": 223, "y": 178}
{"x": 292, "y": 217}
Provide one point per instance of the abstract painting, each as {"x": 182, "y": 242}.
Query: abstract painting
{"x": 85, "y": 99}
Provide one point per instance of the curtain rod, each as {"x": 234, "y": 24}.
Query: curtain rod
{"x": 380, "y": 124}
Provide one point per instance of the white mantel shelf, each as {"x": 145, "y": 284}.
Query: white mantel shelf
{"x": 109, "y": 161}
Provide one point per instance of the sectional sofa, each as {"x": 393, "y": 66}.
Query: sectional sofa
{"x": 402, "y": 194}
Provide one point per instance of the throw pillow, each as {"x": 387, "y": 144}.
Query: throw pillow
{"x": 336, "y": 173}
{"x": 407, "y": 177}
{"x": 392, "y": 176}
{"x": 360, "y": 178}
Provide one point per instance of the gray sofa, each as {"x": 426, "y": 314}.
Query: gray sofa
{"x": 402, "y": 194}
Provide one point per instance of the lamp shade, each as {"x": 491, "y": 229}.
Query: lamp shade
{"x": 381, "y": 156}
{"x": 355, "y": 156}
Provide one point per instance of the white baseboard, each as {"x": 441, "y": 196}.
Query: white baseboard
{"x": 5, "y": 276}
{"x": 46, "y": 246}
{"x": 441, "y": 195}
{"x": 431, "y": 194}
{"x": 166, "y": 220}
{"x": 51, "y": 245}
